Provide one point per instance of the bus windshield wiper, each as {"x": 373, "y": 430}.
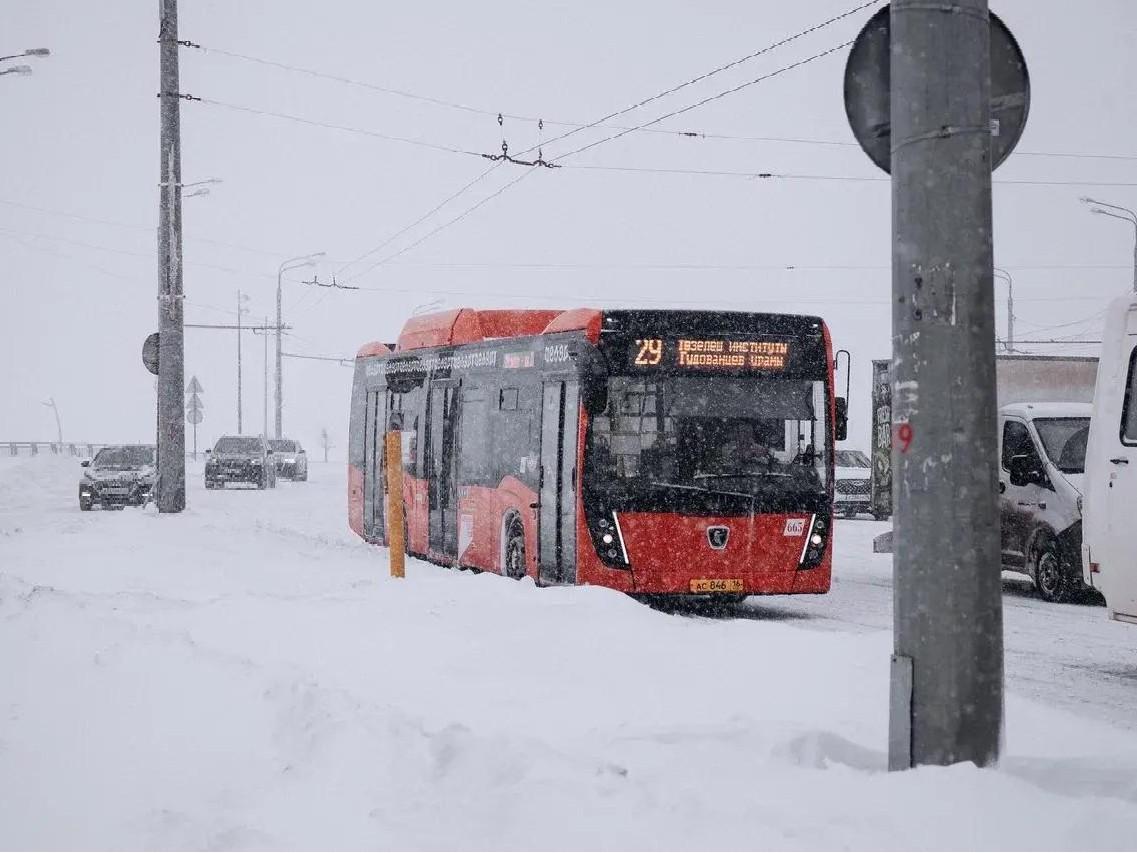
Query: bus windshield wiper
{"x": 702, "y": 489}
{"x": 736, "y": 474}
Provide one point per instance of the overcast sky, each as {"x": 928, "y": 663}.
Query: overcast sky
{"x": 78, "y": 194}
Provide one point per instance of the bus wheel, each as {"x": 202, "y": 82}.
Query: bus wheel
{"x": 515, "y": 552}
{"x": 1051, "y": 578}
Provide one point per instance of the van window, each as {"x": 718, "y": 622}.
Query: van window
{"x": 1017, "y": 442}
{"x": 1064, "y": 440}
{"x": 1129, "y": 410}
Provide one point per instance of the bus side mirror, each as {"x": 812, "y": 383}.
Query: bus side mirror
{"x": 85, "y": 463}
{"x": 595, "y": 396}
{"x": 841, "y": 430}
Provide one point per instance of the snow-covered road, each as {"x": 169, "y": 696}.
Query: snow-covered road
{"x": 1064, "y": 655}
{"x": 245, "y": 675}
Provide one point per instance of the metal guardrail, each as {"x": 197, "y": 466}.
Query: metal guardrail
{"x": 78, "y": 449}
{"x": 55, "y": 448}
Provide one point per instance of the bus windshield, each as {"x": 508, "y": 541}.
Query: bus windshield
{"x": 759, "y": 437}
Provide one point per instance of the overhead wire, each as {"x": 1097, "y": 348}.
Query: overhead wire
{"x": 790, "y": 176}
{"x": 134, "y": 226}
{"x": 446, "y": 224}
{"x": 602, "y": 123}
{"x": 628, "y": 109}
{"x": 732, "y": 90}
{"x": 460, "y": 191}
{"x": 406, "y": 140}
{"x": 718, "y": 70}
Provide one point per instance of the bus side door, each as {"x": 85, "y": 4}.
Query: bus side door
{"x": 443, "y": 412}
{"x": 373, "y": 486}
{"x": 556, "y": 520}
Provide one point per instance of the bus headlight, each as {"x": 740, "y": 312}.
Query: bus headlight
{"x": 606, "y": 538}
{"x": 815, "y": 542}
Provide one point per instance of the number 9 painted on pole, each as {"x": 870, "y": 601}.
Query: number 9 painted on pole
{"x": 396, "y": 539}
{"x": 904, "y": 436}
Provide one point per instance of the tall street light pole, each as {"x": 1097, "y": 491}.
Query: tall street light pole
{"x": 1006, "y": 276}
{"x": 50, "y": 403}
{"x": 290, "y": 264}
{"x": 242, "y": 298}
{"x": 1117, "y": 212}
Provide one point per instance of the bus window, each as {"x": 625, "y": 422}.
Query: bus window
{"x": 475, "y": 461}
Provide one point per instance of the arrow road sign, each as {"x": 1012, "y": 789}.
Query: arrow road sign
{"x": 194, "y": 386}
{"x": 194, "y": 404}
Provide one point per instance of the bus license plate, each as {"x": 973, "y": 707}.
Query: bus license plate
{"x": 716, "y": 585}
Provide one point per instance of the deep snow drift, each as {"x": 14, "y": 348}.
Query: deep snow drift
{"x": 245, "y": 675}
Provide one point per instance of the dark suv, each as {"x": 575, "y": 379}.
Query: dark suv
{"x": 119, "y": 475}
{"x": 240, "y": 459}
{"x": 291, "y": 460}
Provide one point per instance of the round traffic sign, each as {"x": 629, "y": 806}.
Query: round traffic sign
{"x": 150, "y": 353}
{"x": 194, "y": 416}
{"x": 868, "y": 102}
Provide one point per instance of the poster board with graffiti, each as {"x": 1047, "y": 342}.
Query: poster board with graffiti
{"x": 881, "y": 439}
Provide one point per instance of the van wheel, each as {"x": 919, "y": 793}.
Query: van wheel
{"x": 1051, "y": 578}
{"x": 515, "y": 552}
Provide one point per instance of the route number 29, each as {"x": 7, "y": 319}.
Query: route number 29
{"x": 651, "y": 352}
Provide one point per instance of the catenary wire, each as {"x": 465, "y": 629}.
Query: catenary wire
{"x": 406, "y": 140}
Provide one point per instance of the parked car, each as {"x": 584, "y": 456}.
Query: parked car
{"x": 1109, "y": 546}
{"x": 119, "y": 475}
{"x": 240, "y": 459}
{"x": 853, "y": 489}
{"x": 291, "y": 460}
{"x": 1042, "y": 457}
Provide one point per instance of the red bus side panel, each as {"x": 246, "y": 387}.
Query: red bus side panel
{"x": 355, "y": 499}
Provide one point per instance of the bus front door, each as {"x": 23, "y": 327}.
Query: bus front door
{"x": 373, "y": 468}
{"x": 442, "y": 490}
{"x": 556, "y": 524}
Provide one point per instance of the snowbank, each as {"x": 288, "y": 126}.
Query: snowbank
{"x": 245, "y": 675}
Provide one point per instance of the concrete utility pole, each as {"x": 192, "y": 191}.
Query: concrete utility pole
{"x": 290, "y": 264}
{"x": 947, "y": 667}
{"x": 171, "y": 353}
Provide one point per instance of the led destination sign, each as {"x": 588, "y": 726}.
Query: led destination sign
{"x": 711, "y": 354}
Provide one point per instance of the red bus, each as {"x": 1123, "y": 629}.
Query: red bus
{"x": 654, "y": 452}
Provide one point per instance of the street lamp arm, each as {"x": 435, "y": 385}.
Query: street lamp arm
{"x": 302, "y": 261}
{"x": 1130, "y": 215}
{"x": 1131, "y": 219}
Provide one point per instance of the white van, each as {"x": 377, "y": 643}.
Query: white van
{"x": 852, "y": 490}
{"x": 1109, "y": 550}
{"x": 1042, "y": 452}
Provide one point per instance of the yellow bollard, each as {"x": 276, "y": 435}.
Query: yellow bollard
{"x": 395, "y": 538}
